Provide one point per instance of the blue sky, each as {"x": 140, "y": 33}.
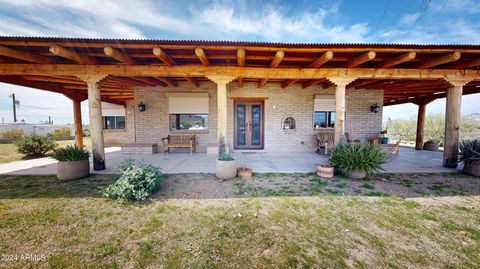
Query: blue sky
{"x": 388, "y": 21}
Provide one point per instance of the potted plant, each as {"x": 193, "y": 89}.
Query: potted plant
{"x": 72, "y": 162}
{"x": 430, "y": 145}
{"x": 470, "y": 156}
{"x": 358, "y": 160}
{"x": 226, "y": 167}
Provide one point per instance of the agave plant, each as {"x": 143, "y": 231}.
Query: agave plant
{"x": 225, "y": 157}
{"x": 70, "y": 153}
{"x": 469, "y": 150}
{"x": 358, "y": 157}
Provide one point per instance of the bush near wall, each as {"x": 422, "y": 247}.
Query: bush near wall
{"x": 12, "y": 134}
{"x": 35, "y": 145}
{"x": 61, "y": 132}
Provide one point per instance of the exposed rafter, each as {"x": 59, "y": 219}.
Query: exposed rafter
{"x": 454, "y": 56}
{"x": 277, "y": 59}
{"x": 365, "y": 57}
{"x": 318, "y": 62}
{"x": 119, "y": 56}
{"x": 311, "y": 83}
{"x": 202, "y": 56}
{"x": 398, "y": 60}
{"x": 466, "y": 64}
{"x": 164, "y": 57}
{"x": 71, "y": 55}
{"x": 17, "y": 54}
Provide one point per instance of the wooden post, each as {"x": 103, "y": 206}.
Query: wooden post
{"x": 340, "y": 92}
{"x": 77, "y": 118}
{"x": 96, "y": 122}
{"x": 452, "y": 123}
{"x": 222, "y": 82}
{"x": 420, "y": 126}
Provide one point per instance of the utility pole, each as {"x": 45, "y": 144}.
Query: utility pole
{"x": 49, "y": 120}
{"x": 14, "y": 104}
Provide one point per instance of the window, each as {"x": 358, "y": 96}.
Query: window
{"x": 114, "y": 122}
{"x": 191, "y": 122}
{"x": 324, "y": 119}
{"x": 289, "y": 123}
{"x": 188, "y": 111}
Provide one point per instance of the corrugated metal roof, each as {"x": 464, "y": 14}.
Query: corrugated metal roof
{"x": 239, "y": 43}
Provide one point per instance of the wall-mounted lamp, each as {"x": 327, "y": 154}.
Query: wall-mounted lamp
{"x": 141, "y": 107}
{"x": 374, "y": 108}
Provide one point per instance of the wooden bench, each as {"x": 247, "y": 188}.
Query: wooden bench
{"x": 139, "y": 148}
{"x": 179, "y": 141}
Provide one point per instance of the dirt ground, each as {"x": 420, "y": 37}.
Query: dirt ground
{"x": 205, "y": 186}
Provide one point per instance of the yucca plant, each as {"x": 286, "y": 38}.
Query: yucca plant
{"x": 358, "y": 157}
{"x": 70, "y": 153}
{"x": 469, "y": 150}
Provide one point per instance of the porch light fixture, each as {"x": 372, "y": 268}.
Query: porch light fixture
{"x": 374, "y": 108}
{"x": 141, "y": 107}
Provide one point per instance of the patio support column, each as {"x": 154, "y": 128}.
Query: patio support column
{"x": 96, "y": 124}
{"x": 340, "y": 94}
{"x": 420, "y": 125}
{"x": 452, "y": 123}
{"x": 222, "y": 82}
{"x": 77, "y": 119}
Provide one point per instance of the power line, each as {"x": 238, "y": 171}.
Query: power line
{"x": 383, "y": 16}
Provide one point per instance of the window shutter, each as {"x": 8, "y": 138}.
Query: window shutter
{"x": 109, "y": 109}
{"x": 187, "y": 103}
{"x": 324, "y": 103}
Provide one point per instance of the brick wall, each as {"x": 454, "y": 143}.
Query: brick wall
{"x": 118, "y": 137}
{"x": 153, "y": 124}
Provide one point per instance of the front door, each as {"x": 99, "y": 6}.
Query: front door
{"x": 249, "y": 125}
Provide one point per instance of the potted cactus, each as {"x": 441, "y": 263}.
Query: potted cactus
{"x": 470, "y": 156}
{"x": 72, "y": 162}
{"x": 226, "y": 167}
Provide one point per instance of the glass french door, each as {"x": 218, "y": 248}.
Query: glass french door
{"x": 248, "y": 125}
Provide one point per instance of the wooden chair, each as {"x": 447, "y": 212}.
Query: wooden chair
{"x": 391, "y": 149}
{"x": 326, "y": 140}
{"x": 179, "y": 141}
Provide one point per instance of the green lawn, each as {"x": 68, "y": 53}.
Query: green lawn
{"x": 8, "y": 152}
{"x": 73, "y": 226}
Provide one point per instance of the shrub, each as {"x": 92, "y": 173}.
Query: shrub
{"x": 35, "y": 145}
{"x": 62, "y": 132}
{"x": 358, "y": 157}
{"x": 136, "y": 183}
{"x": 12, "y": 134}
{"x": 469, "y": 150}
{"x": 225, "y": 157}
{"x": 70, "y": 153}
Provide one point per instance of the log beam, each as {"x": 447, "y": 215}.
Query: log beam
{"x": 77, "y": 119}
{"x": 398, "y": 60}
{"x": 340, "y": 94}
{"x": 71, "y": 55}
{"x": 17, "y": 54}
{"x": 119, "y": 56}
{"x": 327, "y": 56}
{"x": 420, "y": 126}
{"x": 466, "y": 64}
{"x": 202, "y": 56}
{"x": 241, "y": 62}
{"x": 277, "y": 59}
{"x": 164, "y": 57}
{"x": 365, "y": 57}
{"x": 454, "y": 56}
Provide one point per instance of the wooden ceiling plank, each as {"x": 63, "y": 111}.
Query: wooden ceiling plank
{"x": 202, "y": 56}
{"x": 454, "y": 56}
{"x": 71, "y": 55}
{"x": 327, "y": 56}
{"x": 363, "y": 58}
{"x": 398, "y": 60}
{"x": 119, "y": 56}
{"x": 17, "y": 54}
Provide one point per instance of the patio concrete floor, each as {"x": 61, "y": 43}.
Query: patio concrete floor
{"x": 408, "y": 161}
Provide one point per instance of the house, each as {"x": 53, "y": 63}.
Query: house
{"x": 237, "y": 96}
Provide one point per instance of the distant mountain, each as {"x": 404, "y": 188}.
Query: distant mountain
{"x": 474, "y": 116}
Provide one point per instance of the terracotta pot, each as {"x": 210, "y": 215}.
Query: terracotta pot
{"x": 73, "y": 170}
{"x": 472, "y": 167}
{"x": 226, "y": 169}
{"x": 357, "y": 174}
{"x": 325, "y": 170}
{"x": 431, "y": 146}
{"x": 245, "y": 173}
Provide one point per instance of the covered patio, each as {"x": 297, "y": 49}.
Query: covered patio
{"x": 409, "y": 160}
{"x": 119, "y": 71}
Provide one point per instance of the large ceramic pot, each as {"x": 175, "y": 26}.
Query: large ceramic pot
{"x": 472, "y": 167}
{"x": 73, "y": 170}
{"x": 357, "y": 174}
{"x": 226, "y": 169}
{"x": 431, "y": 146}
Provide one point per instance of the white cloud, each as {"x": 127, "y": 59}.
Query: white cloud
{"x": 410, "y": 18}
